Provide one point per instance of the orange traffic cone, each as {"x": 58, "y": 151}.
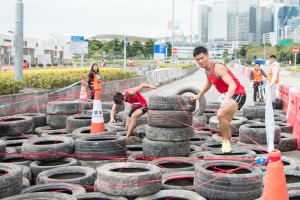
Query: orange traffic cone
{"x": 275, "y": 183}
{"x": 83, "y": 95}
{"x": 97, "y": 116}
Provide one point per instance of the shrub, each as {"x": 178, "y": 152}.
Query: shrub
{"x": 8, "y": 85}
{"x": 182, "y": 65}
{"x": 49, "y": 65}
{"x": 40, "y": 65}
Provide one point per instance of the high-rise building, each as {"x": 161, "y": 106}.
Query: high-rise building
{"x": 278, "y": 25}
{"x": 203, "y": 13}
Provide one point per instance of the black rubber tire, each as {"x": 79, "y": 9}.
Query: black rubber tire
{"x": 96, "y": 163}
{"x": 57, "y": 121}
{"x": 11, "y": 180}
{"x": 87, "y": 178}
{"x": 39, "y": 119}
{"x": 77, "y": 121}
{"x": 257, "y": 133}
{"x": 17, "y": 159}
{"x": 174, "y": 164}
{"x": 2, "y": 149}
{"x": 182, "y": 180}
{"x": 202, "y": 101}
{"x": 99, "y": 147}
{"x": 252, "y": 112}
{"x": 199, "y": 121}
{"x": 169, "y": 134}
{"x": 38, "y": 166}
{"x": 234, "y": 124}
{"x": 198, "y": 156}
{"x": 56, "y": 133}
{"x": 172, "y": 102}
{"x": 248, "y": 155}
{"x": 86, "y": 105}
{"x": 294, "y": 195}
{"x": 165, "y": 149}
{"x": 213, "y": 105}
{"x": 132, "y": 140}
{"x": 208, "y": 113}
{"x": 14, "y": 125}
{"x": 26, "y": 183}
{"x": 19, "y": 137}
{"x": 173, "y": 194}
{"x": 285, "y": 127}
{"x": 195, "y": 148}
{"x": 169, "y": 119}
{"x": 118, "y": 126}
{"x": 133, "y": 149}
{"x": 86, "y": 132}
{"x": 26, "y": 172}
{"x": 198, "y": 140}
{"x": 140, "y": 131}
{"x": 98, "y": 196}
{"x": 288, "y": 142}
{"x": 39, "y": 130}
{"x": 110, "y": 174}
{"x": 259, "y": 150}
{"x": 54, "y": 147}
{"x": 292, "y": 179}
{"x": 235, "y": 186}
{"x": 66, "y": 188}
{"x": 63, "y": 107}
{"x": 43, "y": 196}
{"x": 16, "y": 144}
{"x": 213, "y": 145}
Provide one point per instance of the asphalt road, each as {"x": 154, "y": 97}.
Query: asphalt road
{"x": 198, "y": 79}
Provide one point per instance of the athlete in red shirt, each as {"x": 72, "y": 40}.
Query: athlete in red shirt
{"x": 138, "y": 106}
{"x": 225, "y": 82}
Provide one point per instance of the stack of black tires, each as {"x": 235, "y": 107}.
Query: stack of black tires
{"x": 169, "y": 131}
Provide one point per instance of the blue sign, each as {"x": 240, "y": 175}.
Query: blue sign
{"x": 161, "y": 49}
{"x": 77, "y": 38}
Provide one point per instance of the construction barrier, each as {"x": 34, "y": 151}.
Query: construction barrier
{"x": 296, "y": 124}
{"x": 285, "y": 98}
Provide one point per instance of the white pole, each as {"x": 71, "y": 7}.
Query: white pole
{"x": 8, "y": 58}
{"x": 82, "y": 58}
{"x": 173, "y": 24}
{"x": 19, "y": 41}
{"x": 190, "y": 54}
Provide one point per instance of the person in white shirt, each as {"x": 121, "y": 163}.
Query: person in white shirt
{"x": 273, "y": 76}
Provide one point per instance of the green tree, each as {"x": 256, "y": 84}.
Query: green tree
{"x": 137, "y": 47}
{"x": 148, "y": 48}
{"x": 169, "y": 44}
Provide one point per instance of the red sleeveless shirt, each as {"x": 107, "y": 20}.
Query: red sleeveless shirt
{"x": 220, "y": 85}
{"x": 138, "y": 99}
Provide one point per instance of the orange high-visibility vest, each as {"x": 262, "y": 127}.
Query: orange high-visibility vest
{"x": 270, "y": 75}
{"x": 257, "y": 75}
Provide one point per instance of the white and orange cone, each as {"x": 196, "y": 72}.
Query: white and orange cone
{"x": 97, "y": 116}
{"x": 83, "y": 94}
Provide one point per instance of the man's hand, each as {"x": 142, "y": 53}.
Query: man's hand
{"x": 195, "y": 97}
{"x": 152, "y": 86}
{"x": 225, "y": 103}
{"x": 112, "y": 121}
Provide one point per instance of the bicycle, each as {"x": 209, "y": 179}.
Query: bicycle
{"x": 261, "y": 93}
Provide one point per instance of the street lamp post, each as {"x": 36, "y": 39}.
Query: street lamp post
{"x": 173, "y": 24}
{"x": 19, "y": 41}
{"x": 191, "y": 40}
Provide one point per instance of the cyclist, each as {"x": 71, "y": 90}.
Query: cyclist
{"x": 256, "y": 76}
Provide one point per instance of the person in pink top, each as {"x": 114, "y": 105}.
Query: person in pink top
{"x": 226, "y": 83}
{"x": 138, "y": 106}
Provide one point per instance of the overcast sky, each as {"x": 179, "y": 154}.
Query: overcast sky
{"x": 147, "y": 18}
